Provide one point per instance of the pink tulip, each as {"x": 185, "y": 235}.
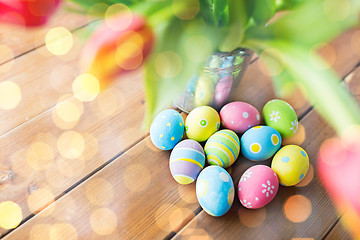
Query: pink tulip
{"x": 27, "y": 12}
{"x": 118, "y": 45}
{"x": 339, "y": 170}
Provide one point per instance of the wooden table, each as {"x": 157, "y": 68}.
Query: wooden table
{"x": 88, "y": 171}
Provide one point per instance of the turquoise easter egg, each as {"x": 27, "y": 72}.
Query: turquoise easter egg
{"x": 167, "y": 129}
{"x": 222, "y": 148}
{"x": 279, "y": 115}
{"x": 260, "y": 143}
{"x": 215, "y": 190}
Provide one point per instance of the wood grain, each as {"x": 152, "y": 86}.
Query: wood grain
{"x": 20, "y": 39}
{"x": 338, "y": 233}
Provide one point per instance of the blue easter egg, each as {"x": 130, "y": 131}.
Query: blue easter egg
{"x": 260, "y": 143}
{"x": 167, "y": 129}
{"x": 215, "y": 190}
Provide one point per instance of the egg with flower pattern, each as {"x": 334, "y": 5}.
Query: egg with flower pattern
{"x": 201, "y": 123}
{"x": 260, "y": 143}
{"x": 187, "y": 159}
{"x": 291, "y": 164}
{"x": 257, "y": 187}
{"x": 279, "y": 115}
{"x": 215, "y": 190}
{"x": 167, "y": 129}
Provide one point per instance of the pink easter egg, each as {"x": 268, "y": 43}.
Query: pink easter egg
{"x": 239, "y": 116}
{"x": 257, "y": 187}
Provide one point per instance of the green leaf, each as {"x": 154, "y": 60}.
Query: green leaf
{"x": 219, "y": 7}
{"x": 316, "y": 21}
{"x": 282, "y": 5}
{"x": 322, "y": 87}
{"x": 180, "y": 51}
{"x": 261, "y": 10}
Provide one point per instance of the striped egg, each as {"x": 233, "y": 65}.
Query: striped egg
{"x": 222, "y": 148}
{"x": 187, "y": 159}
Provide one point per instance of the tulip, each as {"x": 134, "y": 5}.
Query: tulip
{"x": 27, "y": 12}
{"x": 339, "y": 171}
{"x": 112, "y": 50}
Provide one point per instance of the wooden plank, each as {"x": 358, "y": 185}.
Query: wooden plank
{"x": 58, "y": 148}
{"x": 245, "y": 88}
{"x": 19, "y": 39}
{"x": 338, "y": 233}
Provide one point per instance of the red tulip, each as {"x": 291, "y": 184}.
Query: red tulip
{"x": 339, "y": 171}
{"x": 120, "y": 44}
{"x": 27, "y": 12}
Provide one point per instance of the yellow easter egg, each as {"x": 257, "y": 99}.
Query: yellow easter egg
{"x": 201, "y": 123}
{"x": 291, "y": 164}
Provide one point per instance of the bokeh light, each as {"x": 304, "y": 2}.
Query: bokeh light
{"x": 252, "y": 217}
{"x": 161, "y": 218}
{"x": 7, "y": 55}
{"x": 187, "y": 193}
{"x": 18, "y": 161}
{"x": 337, "y": 11}
{"x": 185, "y": 9}
{"x": 297, "y": 208}
{"x": 267, "y": 65}
{"x": 117, "y": 9}
{"x": 86, "y": 87}
{"x": 168, "y": 64}
{"x": 39, "y": 199}
{"x": 103, "y": 221}
{"x": 10, "y": 95}
{"x": 298, "y": 138}
{"x": 40, "y": 232}
{"x": 40, "y": 155}
{"x": 96, "y": 10}
{"x": 71, "y": 144}
{"x": 132, "y": 180}
{"x": 69, "y": 167}
{"x": 129, "y": 54}
{"x": 59, "y": 41}
{"x": 332, "y": 152}
{"x": 10, "y": 215}
{"x": 179, "y": 218}
{"x": 61, "y": 231}
{"x": 54, "y": 178}
{"x": 67, "y": 112}
{"x": 199, "y": 44}
{"x": 99, "y": 191}
{"x": 109, "y": 102}
{"x": 308, "y": 177}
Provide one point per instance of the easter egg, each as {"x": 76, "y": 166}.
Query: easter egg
{"x": 167, "y": 129}
{"x": 257, "y": 186}
{"x": 290, "y": 164}
{"x": 222, "y": 91}
{"x": 260, "y": 143}
{"x": 239, "y": 116}
{"x": 201, "y": 123}
{"x": 187, "y": 159}
{"x": 279, "y": 115}
{"x": 204, "y": 91}
{"x": 215, "y": 190}
{"x": 222, "y": 148}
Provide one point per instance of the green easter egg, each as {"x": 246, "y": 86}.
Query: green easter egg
{"x": 279, "y": 115}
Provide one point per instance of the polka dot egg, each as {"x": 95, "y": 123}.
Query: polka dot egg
{"x": 167, "y": 129}
{"x": 279, "y": 115}
{"x": 222, "y": 148}
{"x": 215, "y": 190}
{"x": 201, "y": 123}
{"x": 260, "y": 143}
{"x": 187, "y": 159}
{"x": 257, "y": 186}
{"x": 239, "y": 116}
{"x": 291, "y": 164}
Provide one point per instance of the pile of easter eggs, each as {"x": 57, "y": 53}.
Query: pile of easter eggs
{"x": 214, "y": 186}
